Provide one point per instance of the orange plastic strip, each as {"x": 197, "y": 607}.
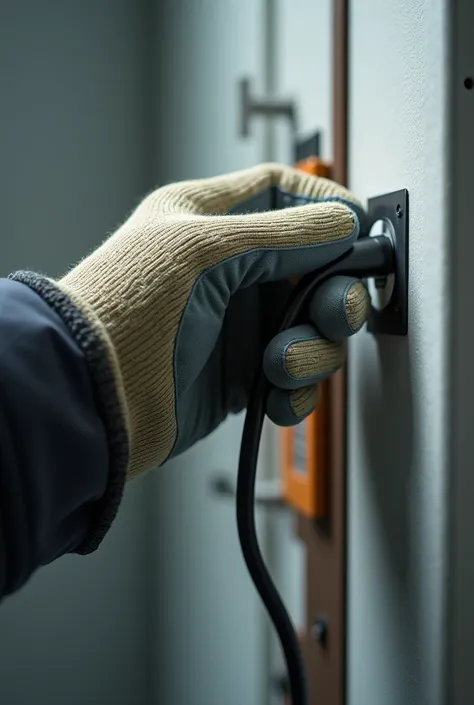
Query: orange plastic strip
{"x": 306, "y": 446}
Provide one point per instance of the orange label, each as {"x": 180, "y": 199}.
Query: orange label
{"x": 306, "y": 446}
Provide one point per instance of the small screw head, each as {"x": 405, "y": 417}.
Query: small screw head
{"x": 319, "y": 631}
{"x": 399, "y": 211}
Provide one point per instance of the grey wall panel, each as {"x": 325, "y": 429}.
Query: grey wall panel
{"x": 398, "y": 387}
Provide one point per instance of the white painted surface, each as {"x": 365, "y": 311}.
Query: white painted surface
{"x": 398, "y": 433}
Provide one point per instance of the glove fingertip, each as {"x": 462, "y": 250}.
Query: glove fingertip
{"x": 340, "y": 307}
{"x": 288, "y": 408}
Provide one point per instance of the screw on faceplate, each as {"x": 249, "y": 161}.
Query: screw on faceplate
{"x": 399, "y": 211}
{"x": 319, "y": 631}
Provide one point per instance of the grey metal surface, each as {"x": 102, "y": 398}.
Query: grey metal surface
{"x": 398, "y": 388}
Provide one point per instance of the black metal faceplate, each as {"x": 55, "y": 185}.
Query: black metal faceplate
{"x": 393, "y": 319}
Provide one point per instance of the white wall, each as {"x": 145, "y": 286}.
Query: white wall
{"x": 398, "y": 387}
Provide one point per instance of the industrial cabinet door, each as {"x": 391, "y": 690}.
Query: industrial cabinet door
{"x": 411, "y": 559}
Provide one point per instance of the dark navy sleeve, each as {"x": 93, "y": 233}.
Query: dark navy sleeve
{"x": 55, "y": 466}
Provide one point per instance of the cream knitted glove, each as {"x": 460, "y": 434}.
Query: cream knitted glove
{"x": 175, "y": 310}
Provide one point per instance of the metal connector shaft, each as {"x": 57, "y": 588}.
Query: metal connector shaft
{"x": 370, "y": 257}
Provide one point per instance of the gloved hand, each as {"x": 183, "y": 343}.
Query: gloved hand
{"x": 175, "y": 310}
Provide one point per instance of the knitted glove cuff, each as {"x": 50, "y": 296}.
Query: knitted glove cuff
{"x": 109, "y": 405}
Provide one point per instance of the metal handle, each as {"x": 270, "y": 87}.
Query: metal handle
{"x": 269, "y": 107}
{"x": 267, "y": 492}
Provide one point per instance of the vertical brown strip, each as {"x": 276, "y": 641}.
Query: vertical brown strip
{"x": 326, "y": 543}
{"x": 340, "y": 88}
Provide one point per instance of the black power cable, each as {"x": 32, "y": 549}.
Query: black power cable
{"x": 370, "y": 257}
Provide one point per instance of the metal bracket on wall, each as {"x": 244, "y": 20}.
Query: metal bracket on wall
{"x": 388, "y": 215}
{"x": 251, "y": 105}
{"x": 267, "y": 492}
